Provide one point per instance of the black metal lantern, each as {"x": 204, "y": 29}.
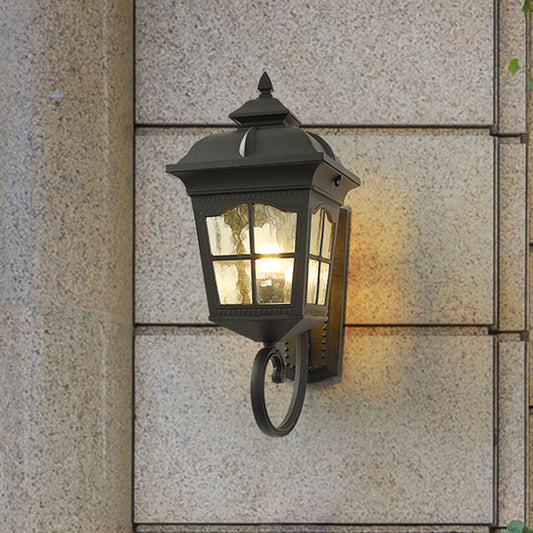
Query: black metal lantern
{"x": 273, "y": 238}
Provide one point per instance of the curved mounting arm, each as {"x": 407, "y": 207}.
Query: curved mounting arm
{"x": 298, "y": 395}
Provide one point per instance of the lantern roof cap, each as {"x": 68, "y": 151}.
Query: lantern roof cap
{"x": 265, "y": 109}
{"x": 268, "y": 135}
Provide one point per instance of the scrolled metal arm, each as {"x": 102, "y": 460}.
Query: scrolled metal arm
{"x": 257, "y": 386}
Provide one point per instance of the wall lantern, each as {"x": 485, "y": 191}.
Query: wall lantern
{"x": 273, "y": 237}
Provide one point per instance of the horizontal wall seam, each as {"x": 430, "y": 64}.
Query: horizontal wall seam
{"x": 170, "y": 125}
{"x": 225, "y": 525}
{"x": 211, "y": 325}
{"x": 201, "y": 329}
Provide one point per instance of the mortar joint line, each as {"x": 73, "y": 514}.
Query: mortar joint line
{"x": 523, "y": 333}
{"x": 522, "y": 135}
{"x": 176, "y": 125}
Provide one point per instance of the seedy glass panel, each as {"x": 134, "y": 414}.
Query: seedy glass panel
{"x": 312, "y": 281}
{"x": 316, "y": 232}
{"x": 327, "y": 240}
{"x": 229, "y": 232}
{"x": 274, "y": 280}
{"x": 234, "y": 281}
{"x": 274, "y": 230}
{"x": 323, "y": 283}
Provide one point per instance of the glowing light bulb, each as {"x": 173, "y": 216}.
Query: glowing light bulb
{"x": 269, "y": 267}
{"x": 274, "y": 275}
{"x": 288, "y": 272}
{"x": 269, "y": 248}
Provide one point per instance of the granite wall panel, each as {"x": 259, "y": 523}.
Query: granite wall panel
{"x": 512, "y": 87}
{"x": 66, "y": 199}
{"x": 393, "y": 443}
{"x": 66, "y": 433}
{"x": 512, "y": 228}
{"x": 512, "y": 432}
{"x": 412, "y": 62}
{"x": 66, "y": 212}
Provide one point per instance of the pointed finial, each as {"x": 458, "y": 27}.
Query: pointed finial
{"x": 265, "y": 85}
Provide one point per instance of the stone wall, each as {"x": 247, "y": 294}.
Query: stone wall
{"x": 66, "y": 160}
{"x": 427, "y": 430}
{"x": 428, "y": 427}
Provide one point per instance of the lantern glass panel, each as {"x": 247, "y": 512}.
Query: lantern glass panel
{"x": 323, "y": 283}
{"x": 274, "y": 230}
{"x": 316, "y": 232}
{"x": 233, "y": 280}
{"x": 229, "y": 232}
{"x": 320, "y": 250}
{"x": 327, "y": 239}
{"x": 312, "y": 281}
{"x": 274, "y": 280}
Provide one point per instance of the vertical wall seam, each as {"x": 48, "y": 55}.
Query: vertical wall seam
{"x": 496, "y": 426}
{"x": 132, "y": 16}
{"x": 496, "y": 62}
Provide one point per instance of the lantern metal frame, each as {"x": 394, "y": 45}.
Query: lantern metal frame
{"x": 269, "y": 159}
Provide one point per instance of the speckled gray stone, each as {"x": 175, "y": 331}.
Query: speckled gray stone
{"x": 303, "y": 528}
{"x": 65, "y": 424}
{"x": 343, "y": 62}
{"x": 513, "y": 244}
{"x": 512, "y": 443}
{"x": 421, "y": 238}
{"x": 421, "y": 247}
{"x": 512, "y": 88}
{"x": 66, "y": 154}
{"x": 530, "y": 462}
{"x": 405, "y": 438}
{"x": 169, "y": 286}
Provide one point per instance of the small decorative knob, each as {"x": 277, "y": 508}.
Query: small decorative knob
{"x": 265, "y": 85}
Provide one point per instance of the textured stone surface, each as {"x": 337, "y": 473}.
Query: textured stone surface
{"x": 405, "y": 438}
{"x": 512, "y": 88}
{"x": 530, "y": 463}
{"x": 421, "y": 239}
{"x": 421, "y": 247}
{"x": 512, "y": 443}
{"x": 66, "y": 154}
{"x": 303, "y": 528}
{"x": 65, "y": 424}
{"x": 66, "y": 151}
{"x": 169, "y": 286}
{"x": 530, "y": 317}
{"x": 513, "y": 245}
{"x": 413, "y": 62}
